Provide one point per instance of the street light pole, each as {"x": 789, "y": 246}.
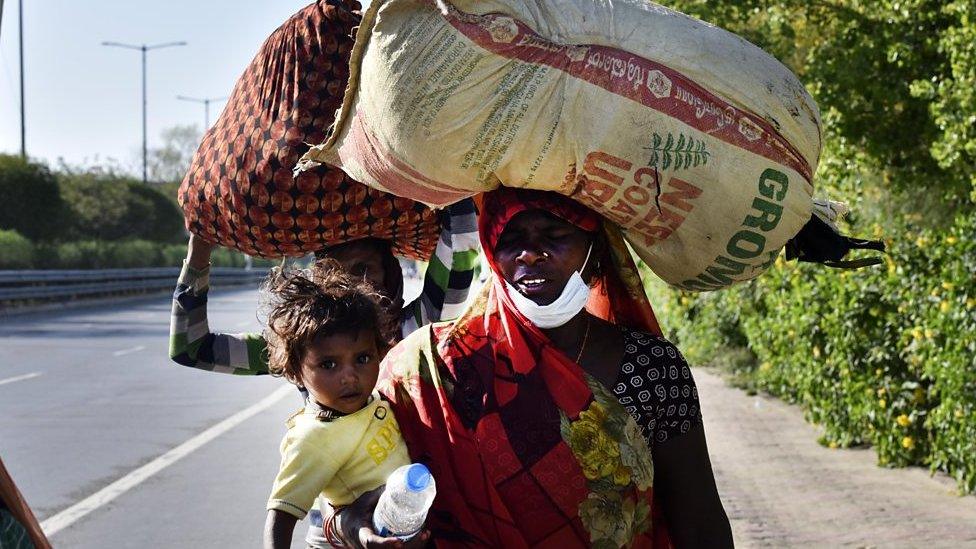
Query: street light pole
{"x": 143, "y": 49}
{"x": 23, "y": 125}
{"x": 206, "y": 107}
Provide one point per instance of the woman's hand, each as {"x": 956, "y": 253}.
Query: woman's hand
{"x": 356, "y": 525}
{"x": 198, "y": 252}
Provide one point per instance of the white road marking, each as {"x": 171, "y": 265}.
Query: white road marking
{"x": 128, "y": 351}
{"x": 19, "y": 378}
{"x": 70, "y": 515}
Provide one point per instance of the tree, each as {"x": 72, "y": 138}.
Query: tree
{"x": 31, "y": 203}
{"x": 894, "y": 80}
{"x": 107, "y": 205}
{"x": 169, "y": 163}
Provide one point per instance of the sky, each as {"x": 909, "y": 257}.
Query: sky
{"x": 83, "y": 100}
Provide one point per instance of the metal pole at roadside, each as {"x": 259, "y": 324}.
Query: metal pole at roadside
{"x": 206, "y": 107}
{"x": 23, "y": 125}
{"x": 143, "y": 49}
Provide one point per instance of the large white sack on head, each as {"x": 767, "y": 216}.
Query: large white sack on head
{"x": 697, "y": 143}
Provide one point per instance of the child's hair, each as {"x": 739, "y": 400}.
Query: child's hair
{"x": 322, "y": 300}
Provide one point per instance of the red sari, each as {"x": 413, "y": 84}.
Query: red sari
{"x": 527, "y": 450}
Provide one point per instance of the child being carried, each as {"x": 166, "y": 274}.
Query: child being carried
{"x": 327, "y": 334}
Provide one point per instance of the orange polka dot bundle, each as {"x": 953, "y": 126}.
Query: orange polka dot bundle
{"x": 240, "y": 191}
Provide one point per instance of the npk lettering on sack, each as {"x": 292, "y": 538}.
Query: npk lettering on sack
{"x": 748, "y": 243}
{"x": 638, "y": 204}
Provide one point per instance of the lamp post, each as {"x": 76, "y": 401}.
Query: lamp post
{"x": 20, "y": 37}
{"x": 144, "y": 48}
{"x": 206, "y": 107}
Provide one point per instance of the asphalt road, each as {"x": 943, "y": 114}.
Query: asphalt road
{"x": 113, "y": 445}
{"x": 92, "y": 411}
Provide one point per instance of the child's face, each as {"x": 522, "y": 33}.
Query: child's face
{"x": 340, "y": 370}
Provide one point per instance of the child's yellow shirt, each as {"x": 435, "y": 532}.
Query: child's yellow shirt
{"x": 339, "y": 458}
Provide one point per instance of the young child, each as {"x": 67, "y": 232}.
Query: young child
{"x": 327, "y": 335}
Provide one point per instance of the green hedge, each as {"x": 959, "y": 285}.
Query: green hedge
{"x": 106, "y": 206}
{"x": 883, "y": 356}
{"x": 31, "y": 203}
{"x": 17, "y": 252}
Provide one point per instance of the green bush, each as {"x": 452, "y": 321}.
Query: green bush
{"x": 883, "y": 356}
{"x": 121, "y": 254}
{"x": 31, "y": 203}
{"x": 16, "y": 252}
{"x": 107, "y": 206}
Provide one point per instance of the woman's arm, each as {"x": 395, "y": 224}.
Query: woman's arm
{"x": 191, "y": 343}
{"x": 278, "y": 530}
{"x": 685, "y": 484}
{"x": 451, "y": 269}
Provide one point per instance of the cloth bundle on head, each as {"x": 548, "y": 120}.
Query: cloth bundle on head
{"x": 240, "y": 191}
{"x": 527, "y": 449}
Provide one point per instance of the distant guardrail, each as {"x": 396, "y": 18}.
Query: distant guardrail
{"x": 42, "y": 286}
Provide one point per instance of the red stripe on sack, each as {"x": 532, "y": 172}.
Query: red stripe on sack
{"x": 402, "y": 166}
{"x": 381, "y": 166}
{"x": 644, "y": 81}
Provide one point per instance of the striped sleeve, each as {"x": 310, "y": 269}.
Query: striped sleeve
{"x": 191, "y": 343}
{"x": 450, "y": 271}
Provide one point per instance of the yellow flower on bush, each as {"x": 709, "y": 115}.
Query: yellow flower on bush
{"x": 882, "y": 391}
{"x": 917, "y": 333}
{"x": 945, "y": 307}
{"x": 929, "y": 334}
{"x": 948, "y": 286}
{"x": 970, "y": 303}
{"x": 882, "y": 403}
{"x": 908, "y": 443}
{"x": 903, "y": 420}
{"x": 816, "y": 352}
{"x": 951, "y": 240}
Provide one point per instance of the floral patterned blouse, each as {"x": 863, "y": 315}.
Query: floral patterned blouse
{"x": 656, "y": 387}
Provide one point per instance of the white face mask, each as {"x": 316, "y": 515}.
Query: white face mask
{"x": 569, "y": 303}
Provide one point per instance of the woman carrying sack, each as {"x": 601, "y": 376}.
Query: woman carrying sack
{"x": 547, "y": 424}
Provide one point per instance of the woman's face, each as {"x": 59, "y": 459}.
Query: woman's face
{"x": 538, "y": 252}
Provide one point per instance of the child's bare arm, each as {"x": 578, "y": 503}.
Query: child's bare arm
{"x": 278, "y": 530}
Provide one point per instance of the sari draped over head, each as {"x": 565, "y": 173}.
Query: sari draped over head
{"x": 526, "y": 448}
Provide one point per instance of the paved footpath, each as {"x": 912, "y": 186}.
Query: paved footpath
{"x": 782, "y": 489}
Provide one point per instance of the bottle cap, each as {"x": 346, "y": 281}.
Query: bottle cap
{"x": 418, "y": 477}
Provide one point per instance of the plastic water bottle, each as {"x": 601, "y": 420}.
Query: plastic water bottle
{"x": 403, "y": 507}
